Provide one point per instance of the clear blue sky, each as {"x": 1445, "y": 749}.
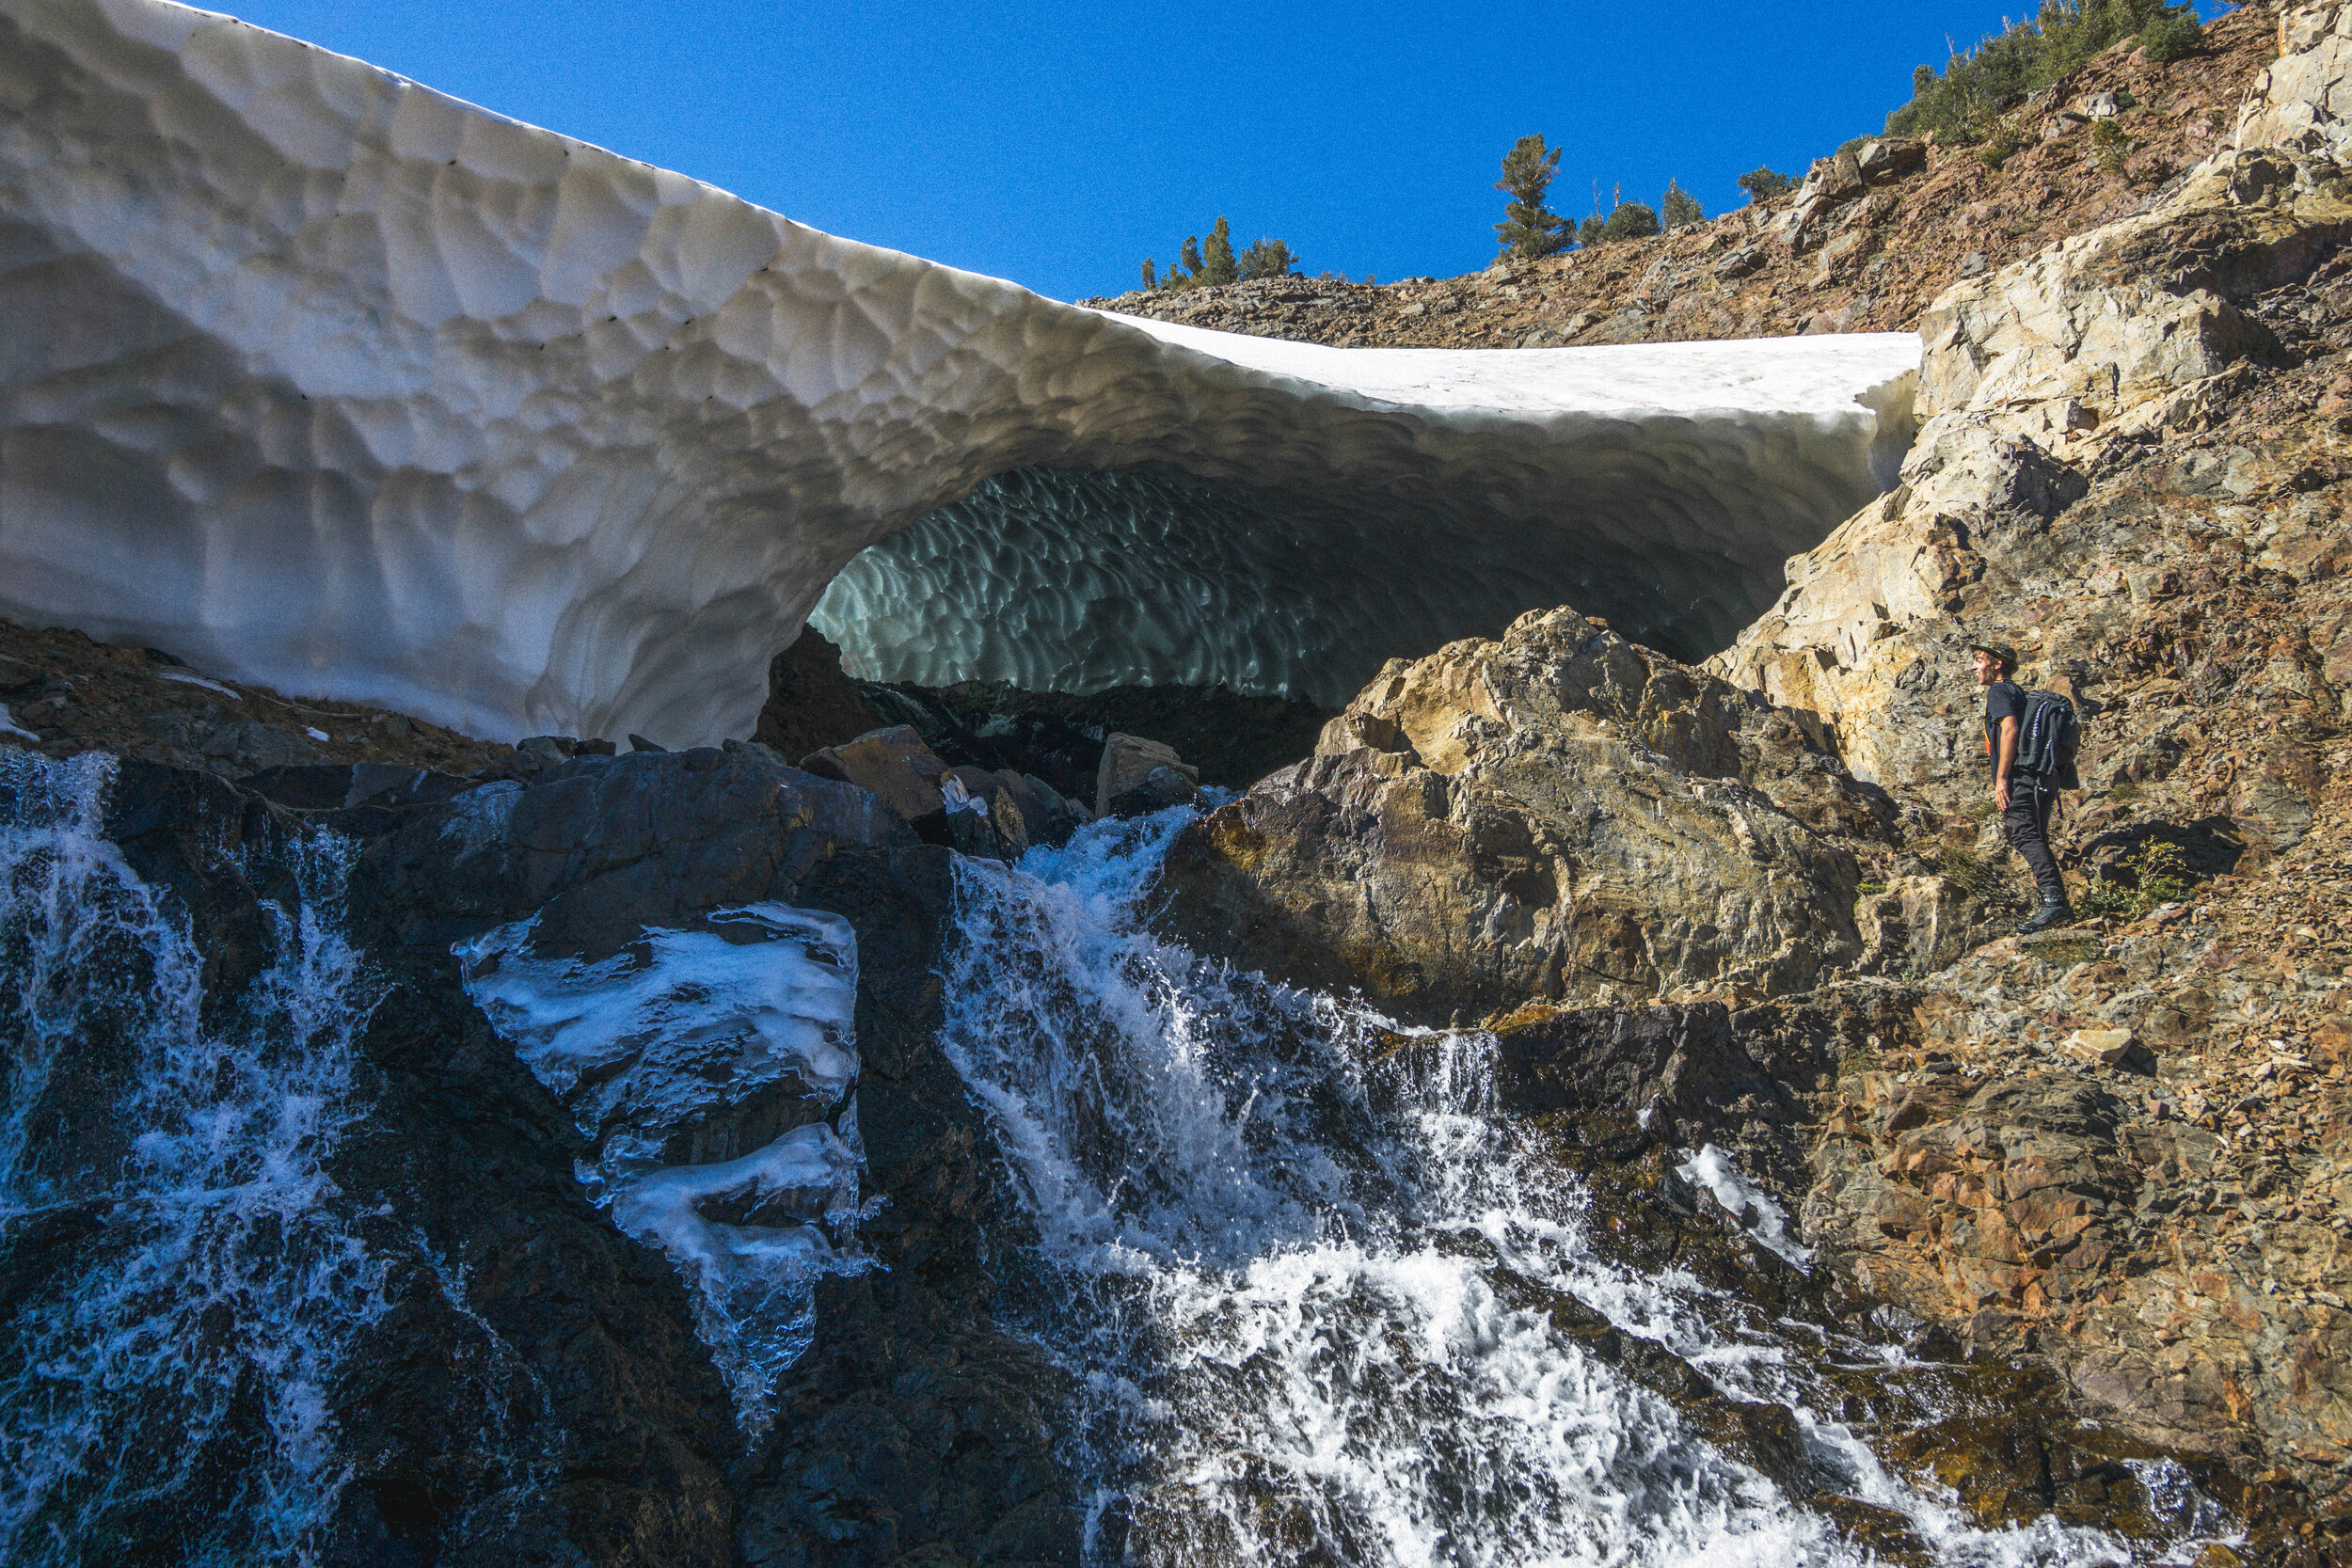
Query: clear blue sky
{"x": 1058, "y": 145}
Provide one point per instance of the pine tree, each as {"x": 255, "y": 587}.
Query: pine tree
{"x": 1150, "y": 279}
{"x": 1217, "y": 256}
{"x": 1633, "y": 220}
{"x": 1530, "y": 229}
{"x": 1679, "y": 207}
{"x": 1190, "y": 257}
{"x": 1267, "y": 259}
{"x": 1763, "y": 184}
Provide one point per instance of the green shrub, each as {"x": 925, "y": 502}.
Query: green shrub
{"x": 1972, "y": 872}
{"x": 2174, "y": 36}
{"x": 1998, "y": 148}
{"x": 1679, "y": 207}
{"x": 1529, "y": 227}
{"x": 1589, "y": 232}
{"x": 1267, "y": 259}
{"x": 1964, "y": 102}
{"x": 2109, "y": 146}
{"x": 1633, "y": 220}
{"x": 1150, "y": 279}
{"x": 2155, "y": 874}
{"x": 1764, "y": 184}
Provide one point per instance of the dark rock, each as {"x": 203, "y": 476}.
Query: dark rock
{"x": 1232, "y": 739}
{"x": 811, "y": 704}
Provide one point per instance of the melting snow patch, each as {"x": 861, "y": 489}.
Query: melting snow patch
{"x": 1744, "y": 1202}
{"x": 189, "y": 677}
{"x": 8, "y": 724}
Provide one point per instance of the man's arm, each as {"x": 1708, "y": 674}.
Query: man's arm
{"x": 2007, "y": 760}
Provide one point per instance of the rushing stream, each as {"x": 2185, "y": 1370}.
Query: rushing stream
{"x": 1298, "y": 1270}
{"x": 1317, "y": 1302}
{"x": 172, "y": 1381}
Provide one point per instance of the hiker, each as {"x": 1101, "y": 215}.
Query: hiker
{"x": 2023, "y": 796}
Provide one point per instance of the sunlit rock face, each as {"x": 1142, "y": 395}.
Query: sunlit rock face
{"x": 316, "y": 377}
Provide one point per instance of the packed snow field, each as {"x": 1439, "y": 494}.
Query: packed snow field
{"x": 328, "y": 381}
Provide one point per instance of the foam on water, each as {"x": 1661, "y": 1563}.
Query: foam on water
{"x": 181, "y": 1363}
{"x": 1299, "y": 1275}
{"x": 666, "y": 1054}
{"x": 1748, "y": 1204}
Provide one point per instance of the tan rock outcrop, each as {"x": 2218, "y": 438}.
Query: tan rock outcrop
{"x": 1560, "y": 814}
{"x": 2033, "y": 377}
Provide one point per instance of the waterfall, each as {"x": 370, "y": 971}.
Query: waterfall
{"x": 1299, "y": 1273}
{"x": 166, "y": 1368}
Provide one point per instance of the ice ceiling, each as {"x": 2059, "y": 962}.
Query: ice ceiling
{"x": 316, "y": 377}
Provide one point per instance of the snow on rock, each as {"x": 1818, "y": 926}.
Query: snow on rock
{"x": 319, "y": 378}
{"x": 713, "y": 1074}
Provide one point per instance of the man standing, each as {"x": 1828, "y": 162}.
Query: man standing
{"x": 2023, "y": 797}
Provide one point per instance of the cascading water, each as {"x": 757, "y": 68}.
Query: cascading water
{"x": 1305, "y": 1281}
{"x": 171, "y": 1379}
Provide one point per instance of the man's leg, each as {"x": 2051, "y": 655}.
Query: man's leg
{"x": 2027, "y": 823}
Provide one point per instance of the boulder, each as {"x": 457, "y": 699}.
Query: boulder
{"x": 811, "y": 704}
{"x": 1138, "y": 774}
{"x": 1559, "y": 815}
{"x": 1887, "y": 159}
{"x": 999, "y": 815}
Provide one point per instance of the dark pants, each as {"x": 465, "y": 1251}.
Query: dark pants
{"x": 2027, "y": 823}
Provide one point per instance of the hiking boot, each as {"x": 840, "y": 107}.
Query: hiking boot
{"x": 2044, "y": 918}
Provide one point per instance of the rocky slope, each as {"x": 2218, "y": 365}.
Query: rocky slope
{"x": 2114, "y": 1147}
{"x": 1854, "y": 250}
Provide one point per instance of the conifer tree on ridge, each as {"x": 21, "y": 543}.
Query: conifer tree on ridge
{"x": 1530, "y": 229}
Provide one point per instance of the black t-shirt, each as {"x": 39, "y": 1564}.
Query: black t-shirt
{"x": 2003, "y": 699}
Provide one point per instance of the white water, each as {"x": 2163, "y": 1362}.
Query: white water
{"x": 1295, "y": 1270}
{"x": 659, "y": 1052}
{"x": 172, "y": 1379}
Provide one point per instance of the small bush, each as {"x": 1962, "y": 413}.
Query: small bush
{"x": 1764, "y": 184}
{"x": 1267, "y": 259}
{"x": 2155, "y": 875}
{"x": 1590, "y": 232}
{"x": 1972, "y": 872}
{"x": 1633, "y": 220}
{"x": 1150, "y": 278}
{"x": 1679, "y": 207}
{"x": 2172, "y": 36}
{"x": 1999, "y": 148}
{"x": 2109, "y": 146}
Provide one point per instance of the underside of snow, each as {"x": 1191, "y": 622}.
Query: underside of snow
{"x": 319, "y": 378}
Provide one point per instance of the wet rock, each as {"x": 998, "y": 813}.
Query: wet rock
{"x": 998, "y": 814}
{"x": 1139, "y": 775}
